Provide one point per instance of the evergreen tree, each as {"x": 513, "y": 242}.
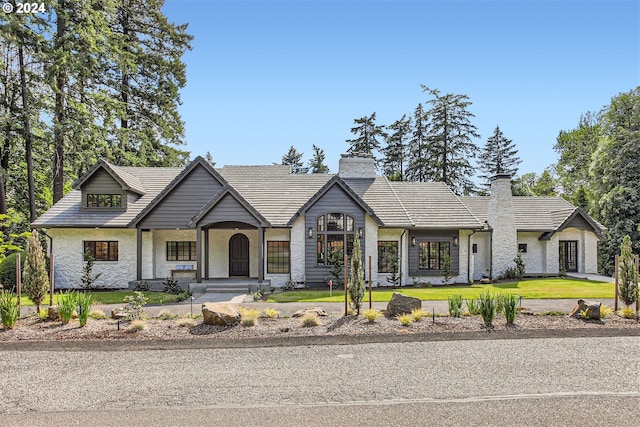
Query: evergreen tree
{"x": 627, "y": 273}
{"x": 356, "y": 281}
{"x": 451, "y": 134}
{"x": 498, "y": 156}
{"x": 316, "y": 164}
{"x": 209, "y": 158}
{"x": 294, "y": 159}
{"x": 395, "y": 152}
{"x": 367, "y": 134}
{"x": 35, "y": 278}
{"x": 420, "y": 156}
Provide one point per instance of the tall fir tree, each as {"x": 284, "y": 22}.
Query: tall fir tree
{"x": 316, "y": 164}
{"x": 451, "y": 134}
{"x": 420, "y": 156}
{"x": 367, "y": 135}
{"x": 395, "y": 151}
{"x": 498, "y": 156}
{"x": 294, "y": 159}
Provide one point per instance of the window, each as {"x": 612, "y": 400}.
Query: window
{"x": 102, "y": 250}
{"x": 277, "y": 257}
{"x": 474, "y": 248}
{"x": 104, "y": 200}
{"x": 334, "y": 233}
{"x": 432, "y": 255}
{"x": 181, "y": 251}
{"x": 388, "y": 256}
{"x": 522, "y": 247}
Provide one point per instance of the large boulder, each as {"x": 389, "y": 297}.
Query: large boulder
{"x": 401, "y": 304}
{"x": 310, "y": 310}
{"x": 591, "y": 310}
{"x": 214, "y": 313}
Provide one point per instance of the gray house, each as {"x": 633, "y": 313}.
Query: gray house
{"x": 264, "y": 222}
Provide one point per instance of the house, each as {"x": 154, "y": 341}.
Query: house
{"x": 264, "y": 222}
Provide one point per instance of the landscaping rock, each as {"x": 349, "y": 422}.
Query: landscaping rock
{"x": 485, "y": 281}
{"x": 214, "y": 313}
{"x": 401, "y": 304}
{"x": 118, "y": 314}
{"x": 310, "y": 310}
{"x": 591, "y": 308}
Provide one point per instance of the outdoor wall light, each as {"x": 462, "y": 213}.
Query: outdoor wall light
{"x": 310, "y": 233}
{"x": 455, "y": 241}
{"x": 413, "y": 241}
{"x": 360, "y": 233}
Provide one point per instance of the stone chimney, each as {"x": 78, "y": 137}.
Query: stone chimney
{"x": 502, "y": 221}
{"x": 357, "y": 165}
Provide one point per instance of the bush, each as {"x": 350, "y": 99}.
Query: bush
{"x": 8, "y": 271}
{"x": 88, "y": 278}
{"x": 605, "y": 311}
{"x": 372, "y": 315}
{"x": 516, "y": 272}
{"x": 97, "y": 314}
{"x": 171, "y": 286}
{"x": 67, "y": 305}
{"x": 248, "y": 320}
{"x": 35, "y": 277}
{"x": 134, "y": 307}
{"x": 510, "y": 307}
{"x": 628, "y": 283}
{"x": 310, "y": 320}
{"x": 417, "y": 314}
{"x": 166, "y": 315}
{"x": 500, "y": 298}
{"x": 9, "y": 309}
{"x": 627, "y": 312}
{"x": 455, "y": 305}
{"x": 84, "y": 302}
{"x": 487, "y": 307}
{"x": 138, "y": 325}
{"x": 142, "y": 286}
{"x": 405, "y": 319}
{"x": 271, "y": 313}
{"x": 473, "y": 306}
{"x": 183, "y": 295}
{"x": 186, "y": 322}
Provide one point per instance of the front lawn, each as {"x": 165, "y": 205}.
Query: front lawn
{"x": 530, "y": 289}
{"x": 110, "y": 297}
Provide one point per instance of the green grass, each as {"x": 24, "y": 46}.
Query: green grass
{"x": 530, "y": 289}
{"x": 110, "y": 297}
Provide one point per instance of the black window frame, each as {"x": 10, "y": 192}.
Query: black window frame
{"x": 104, "y": 200}
{"x": 522, "y": 247}
{"x": 332, "y": 233}
{"x": 434, "y": 255}
{"x": 385, "y": 253}
{"x": 91, "y": 247}
{"x": 278, "y": 256}
{"x": 177, "y": 252}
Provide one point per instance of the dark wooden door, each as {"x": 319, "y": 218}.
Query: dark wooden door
{"x": 569, "y": 255}
{"x": 239, "y": 255}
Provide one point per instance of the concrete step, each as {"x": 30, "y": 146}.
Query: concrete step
{"x": 235, "y": 288}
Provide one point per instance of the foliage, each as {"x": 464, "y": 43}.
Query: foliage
{"x": 8, "y": 270}
{"x": 137, "y": 325}
{"x": 455, "y": 305}
{"x": 166, "y": 315}
{"x": 316, "y": 164}
{"x": 294, "y": 159}
{"x": 446, "y": 269}
{"x": 134, "y": 307}
{"x": 88, "y": 278}
{"x": 171, "y": 286}
{"x": 372, "y": 315}
{"x": 510, "y": 307}
{"x": 417, "y": 314}
{"x": 186, "y": 322}
{"x": 367, "y": 134}
{"x": 627, "y": 273}
{"x": 183, "y": 295}
{"x": 36, "y": 279}
{"x": 257, "y": 295}
{"x": 310, "y": 320}
{"x": 405, "y": 319}
{"x": 420, "y": 163}
{"x": 532, "y": 184}
{"x": 500, "y": 300}
{"x": 336, "y": 261}
{"x": 97, "y": 314}
{"x": 498, "y": 156}
{"x": 394, "y": 276}
{"x": 627, "y": 312}
{"x": 288, "y": 286}
{"x": 395, "y": 151}
{"x": 473, "y": 306}
{"x": 605, "y": 311}
{"x": 84, "y": 302}
{"x": 248, "y": 319}
{"x": 9, "y": 309}
{"x": 487, "y": 307}
{"x": 67, "y": 305}
{"x": 142, "y": 286}
{"x": 516, "y": 272}
{"x": 356, "y": 283}
{"x": 271, "y": 313}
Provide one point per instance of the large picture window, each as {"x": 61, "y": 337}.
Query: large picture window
{"x": 388, "y": 256}
{"x": 335, "y": 232}
{"x": 104, "y": 200}
{"x": 278, "y": 257}
{"x": 181, "y": 251}
{"x": 101, "y": 250}
{"x": 432, "y": 255}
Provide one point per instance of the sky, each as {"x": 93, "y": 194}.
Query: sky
{"x": 265, "y": 75}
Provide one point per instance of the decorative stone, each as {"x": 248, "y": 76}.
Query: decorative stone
{"x": 401, "y": 304}
{"x": 485, "y": 281}
{"x": 224, "y": 314}
{"x": 310, "y": 310}
{"x": 590, "y": 308}
{"x": 117, "y": 314}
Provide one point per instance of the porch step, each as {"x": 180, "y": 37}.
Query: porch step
{"x": 231, "y": 288}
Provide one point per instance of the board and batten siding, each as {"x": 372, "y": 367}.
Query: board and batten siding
{"x": 184, "y": 201}
{"x": 433, "y": 236}
{"x": 102, "y": 183}
{"x": 335, "y": 200}
{"x": 229, "y": 209}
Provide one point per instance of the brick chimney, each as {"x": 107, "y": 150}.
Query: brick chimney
{"x": 502, "y": 221}
{"x": 357, "y": 165}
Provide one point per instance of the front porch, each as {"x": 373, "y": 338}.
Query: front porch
{"x": 232, "y": 285}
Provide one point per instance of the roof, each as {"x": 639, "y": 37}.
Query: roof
{"x": 125, "y": 179}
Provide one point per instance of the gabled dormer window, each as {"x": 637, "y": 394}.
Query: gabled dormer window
{"x": 104, "y": 200}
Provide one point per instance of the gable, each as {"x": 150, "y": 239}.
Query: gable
{"x": 183, "y": 201}
{"x": 228, "y": 209}
{"x": 579, "y": 222}
{"x": 335, "y": 199}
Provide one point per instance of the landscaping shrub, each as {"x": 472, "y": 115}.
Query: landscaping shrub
{"x": 97, "y": 314}
{"x": 186, "y": 322}
{"x": 628, "y": 283}
{"x": 248, "y": 320}
{"x": 67, "y": 305}
{"x": 84, "y": 302}
{"x": 183, "y": 295}
{"x": 171, "y": 286}
{"x": 510, "y": 303}
{"x": 8, "y": 271}
{"x": 627, "y": 312}
{"x": 516, "y": 272}
{"x": 417, "y": 314}
{"x": 166, "y": 315}
{"x": 35, "y": 277}
{"x": 271, "y": 313}
{"x": 88, "y": 278}
{"x": 605, "y": 311}
{"x": 356, "y": 285}
{"x": 487, "y": 307}
{"x": 9, "y": 309}
{"x": 134, "y": 307}
{"x": 455, "y": 305}
{"x": 138, "y": 325}
{"x": 142, "y": 286}
{"x": 473, "y": 306}
{"x": 310, "y": 320}
{"x": 405, "y": 319}
{"x": 372, "y": 315}
{"x": 500, "y": 299}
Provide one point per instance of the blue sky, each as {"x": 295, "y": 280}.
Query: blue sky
{"x": 263, "y": 76}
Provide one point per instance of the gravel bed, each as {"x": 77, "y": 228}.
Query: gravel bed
{"x": 33, "y": 329}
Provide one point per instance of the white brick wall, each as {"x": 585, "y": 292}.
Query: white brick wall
{"x": 502, "y": 221}
{"x": 298, "y": 236}
{"x": 161, "y": 267}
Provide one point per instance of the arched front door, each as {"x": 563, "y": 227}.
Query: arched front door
{"x": 239, "y": 255}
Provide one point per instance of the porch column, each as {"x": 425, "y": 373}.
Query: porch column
{"x": 206, "y": 254}
{"x": 260, "y": 253}
{"x": 199, "y": 254}
{"x": 139, "y": 254}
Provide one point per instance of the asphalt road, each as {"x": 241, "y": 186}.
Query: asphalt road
{"x": 552, "y": 381}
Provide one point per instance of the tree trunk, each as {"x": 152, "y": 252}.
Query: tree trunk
{"x": 4, "y": 168}
{"x": 59, "y": 113}
{"x": 28, "y": 141}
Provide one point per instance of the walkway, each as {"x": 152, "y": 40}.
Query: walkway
{"x": 588, "y": 276}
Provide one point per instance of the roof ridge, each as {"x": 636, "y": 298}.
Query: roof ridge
{"x": 404, "y": 209}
